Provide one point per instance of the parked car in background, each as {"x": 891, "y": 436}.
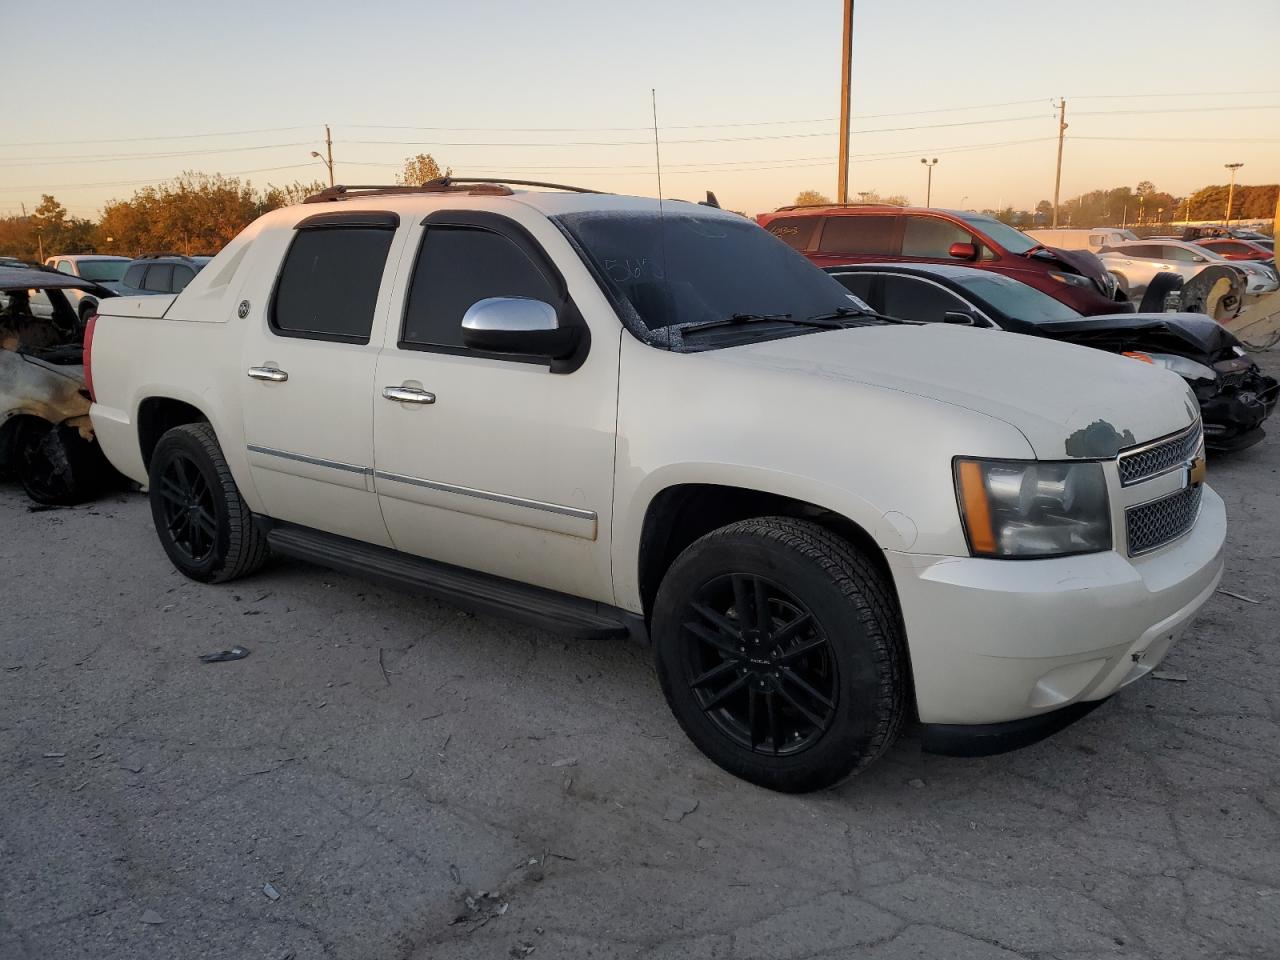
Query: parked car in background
{"x": 101, "y": 268}
{"x": 551, "y": 405}
{"x": 1233, "y": 249}
{"x": 160, "y": 273}
{"x": 1235, "y": 396}
{"x": 1080, "y": 239}
{"x": 865, "y": 233}
{"x": 46, "y": 437}
{"x": 1135, "y": 264}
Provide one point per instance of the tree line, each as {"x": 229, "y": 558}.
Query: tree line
{"x": 195, "y": 213}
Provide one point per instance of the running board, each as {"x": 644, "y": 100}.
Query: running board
{"x": 480, "y": 592}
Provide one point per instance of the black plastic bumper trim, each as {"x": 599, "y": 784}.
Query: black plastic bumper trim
{"x": 989, "y": 739}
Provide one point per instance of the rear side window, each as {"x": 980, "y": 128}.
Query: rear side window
{"x": 181, "y": 277}
{"x": 913, "y": 299}
{"x": 159, "y": 278}
{"x": 328, "y": 286}
{"x": 133, "y": 276}
{"x": 795, "y": 232}
{"x": 931, "y": 237}
{"x": 870, "y": 235}
{"x": 860, "y": 285}
{"x": 66, "y": 266}
{"x": 457, "y": 267}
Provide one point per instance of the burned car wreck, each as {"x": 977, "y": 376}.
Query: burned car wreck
{"x": 46, "y": 437}
{"x": 1235, "y": 396}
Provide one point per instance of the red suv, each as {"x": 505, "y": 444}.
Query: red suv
{"x": 1234, "y": 249}
{"x": 873, "y": 233}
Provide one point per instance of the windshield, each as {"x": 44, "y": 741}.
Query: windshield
{"x": 100, "y": 270}
{"x": 1016, "y": 299}
{"x": 1015, "y": 241}
{"x": 683, "y": 269}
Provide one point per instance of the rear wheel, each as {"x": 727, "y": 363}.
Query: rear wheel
{"x": 203, "y": 523}
{"x": 779, "y": 650}
{"x": 57, "y": 467}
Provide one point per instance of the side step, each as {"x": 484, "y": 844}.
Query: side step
{"x": 480, "y": 592}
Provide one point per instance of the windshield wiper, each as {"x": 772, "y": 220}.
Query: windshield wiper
{"x": 738, "y": 319}
{"x": 840, "y": 313}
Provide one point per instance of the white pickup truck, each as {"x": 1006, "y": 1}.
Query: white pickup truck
{"x": 609, "y": 415}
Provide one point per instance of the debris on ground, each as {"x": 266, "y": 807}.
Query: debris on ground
{"x": 1237, "y": 596}
{"x": 479, "y": 909}
{"x": 151, "y": 917}
{"x": 235, "y": 653}
{"x": 917, "y": 783}
{"x": 565, "y": 762}
{"x": 522, "y": 948}
{"x": 132, "y": 764}
{"x": 1169, "y": 675}
{"x": 54, "y": 756}
{"x": 383, "y": 667}
{"x": 272, "y": 893}
{"x": 678, "y": 808}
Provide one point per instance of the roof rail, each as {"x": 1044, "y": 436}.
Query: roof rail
{"x": 812, "y": 206}
{"x": 162, "y": 255}
{"x": 476, "y": 186}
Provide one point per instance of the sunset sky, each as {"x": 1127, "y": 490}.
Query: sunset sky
{"x": 747, "y": 95}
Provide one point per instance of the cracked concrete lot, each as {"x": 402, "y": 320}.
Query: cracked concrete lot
{"x": 146, "y": 798}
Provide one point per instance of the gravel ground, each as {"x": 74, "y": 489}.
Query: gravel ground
{"x": 379, "y": 758}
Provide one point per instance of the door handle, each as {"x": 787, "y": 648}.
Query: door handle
{"x": 272, "y": 374}
{"x": 408, "y": 395}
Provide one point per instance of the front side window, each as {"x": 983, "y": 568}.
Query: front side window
{"x": 932, "y": 237}
{"x": 795, "y": 232}
{"x": 860, "y": 235}
{"x": 329, "y": 283}
{"x": 689, "y": 268}
{"x": 1001, "y": 234}
{"x": 457, "y": 267}
{"x": 912, "y": 299}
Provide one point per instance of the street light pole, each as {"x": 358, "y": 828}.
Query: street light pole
{"x": 928, "y": 190}
{"x": 328, "y": 159}
{"x": 846, "y": 64}
{"x": 1057, "y": 177}
{"x": 1231, "y": 191}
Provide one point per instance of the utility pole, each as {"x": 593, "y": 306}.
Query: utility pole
{"x": 846, "y": 64}
{"x": 928, "y": 190}
{"x": 1062, "y": 131}
{"x": 328, "y": 146}
{"x": 1231, "y": 191}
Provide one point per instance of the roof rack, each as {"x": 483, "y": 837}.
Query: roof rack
{"x": 812, "y": 206}
{"x": 476, "y": 186}
{"x": 162, "y": 255}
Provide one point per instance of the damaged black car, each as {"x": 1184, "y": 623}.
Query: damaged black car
{"x": 46, "y": 436}
{"x": 1235, "y": 395}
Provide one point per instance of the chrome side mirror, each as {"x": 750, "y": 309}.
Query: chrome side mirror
{"x": 517, "y": 325}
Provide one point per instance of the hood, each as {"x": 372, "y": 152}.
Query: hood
{"x": 1081, "y": 261}
{"x": 1192, "y": 335}
{"x": 1068, "y": 401}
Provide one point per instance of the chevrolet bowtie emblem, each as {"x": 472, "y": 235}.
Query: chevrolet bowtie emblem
{"x": 1195, "y": 472}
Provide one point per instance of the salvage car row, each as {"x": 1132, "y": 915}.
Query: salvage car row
{"x": 610, "y": 416}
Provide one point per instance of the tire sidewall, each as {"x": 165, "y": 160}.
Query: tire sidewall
{"x": 859, "y": 684}
{"x": 179, "y": 443}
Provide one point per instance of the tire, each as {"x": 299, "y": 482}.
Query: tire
{"x": 849, "y": 653}
{"x": 55, "y": 466}
{"x": 1122, "y": 283}
{"x": 202, "y": 521}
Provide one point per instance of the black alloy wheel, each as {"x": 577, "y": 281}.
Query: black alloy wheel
{"x": 759, "y": 665}
{"x": 187, "y": 508}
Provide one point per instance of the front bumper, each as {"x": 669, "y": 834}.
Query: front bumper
{"x": 999, "y": 640}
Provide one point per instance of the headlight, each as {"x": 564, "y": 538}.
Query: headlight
{"x": 1032, "y": 508}
{"x": 1072, "y": 279}
{"x": 1187, "y": 369}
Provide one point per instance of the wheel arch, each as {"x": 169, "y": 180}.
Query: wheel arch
{"x": 158, "y": 415}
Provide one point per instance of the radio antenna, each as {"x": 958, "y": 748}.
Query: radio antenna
{"x": 662, "y": 232}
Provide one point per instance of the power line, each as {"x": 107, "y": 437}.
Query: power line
{"x": 1183, "y": 139}
{"x": 1144, "y": 113}
{"x": 172, "y": 136}
{"x": 139, "y": 183}
{"x": 1144, "y": 96}
{"x": 110, "y": 158}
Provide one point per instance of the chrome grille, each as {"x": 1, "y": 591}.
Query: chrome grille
{"x": 1152, "y": 525}
{"x": 1159, "y": 457}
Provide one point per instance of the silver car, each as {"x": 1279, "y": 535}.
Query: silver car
{"x": 1135, "y": 264}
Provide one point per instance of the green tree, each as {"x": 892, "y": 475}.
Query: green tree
{"x": 57, "y": 233}
{"x": 811, "y": 198}
{"x": 421, "y": 169}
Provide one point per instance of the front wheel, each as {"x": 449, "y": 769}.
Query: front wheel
{"x": 203, "y": 523}
{"x": 779, "y": 649}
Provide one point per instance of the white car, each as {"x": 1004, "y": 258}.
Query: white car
{"x": 1134, "y": 264}
{"x": 610, "y": 415}
{"x": 103, "y": 269}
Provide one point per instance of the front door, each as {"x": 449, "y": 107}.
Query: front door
{"x": 495, "y": 462}
{"x": 307, "y": 371}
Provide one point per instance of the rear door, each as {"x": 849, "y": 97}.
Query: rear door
{"x": 310, "y": 351}
{"x": 859, "y": 238}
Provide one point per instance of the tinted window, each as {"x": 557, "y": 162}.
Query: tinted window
{"x": 133, "y": 276}
{"x": 1151, "y": 250}
{"x": 913, "y": 299}
{"x": 1183, "y": 255}
{"x": 102, "y": 269}
{"x": 794, "y": 231}
{"x": 1230, "y": 248}
{"x": 329, "y": 284}
{"x": 181, "y": 277}
{"x": 159, "y": 278}
{"x": 871, "y": 234}
{"x": 859, "y": 284}
{"x": 931, "y": 237}
{"x": 1015, "y": 299}
{"x": 458, "y": 266}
